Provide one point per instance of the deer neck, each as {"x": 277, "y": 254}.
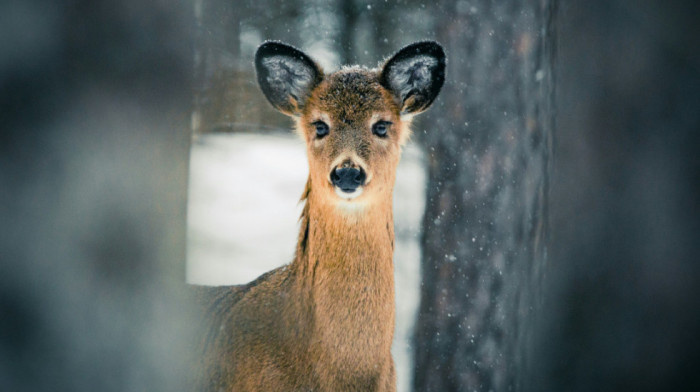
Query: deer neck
{"x": 345, "y": 240}
{"x": 346, "y": 261}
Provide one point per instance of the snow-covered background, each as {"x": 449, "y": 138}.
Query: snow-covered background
{"x": 243, "y": 218}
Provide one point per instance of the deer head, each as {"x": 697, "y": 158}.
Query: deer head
{"x": 355, "y": 120}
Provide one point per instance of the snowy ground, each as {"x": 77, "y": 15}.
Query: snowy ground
{"x": 243, "y": 212}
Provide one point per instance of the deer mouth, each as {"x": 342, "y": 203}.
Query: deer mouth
{"x": 348, "y": 194}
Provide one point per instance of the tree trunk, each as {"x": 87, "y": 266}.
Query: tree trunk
{"x": 485, "y": 222}
{"x": 624, "y": 279}
{"x": 348, "y": 14}
{"x": 216, "y": 51}
{"x": 93, "y": 188}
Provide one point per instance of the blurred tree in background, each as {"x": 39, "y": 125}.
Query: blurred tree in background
{"x": 95, "y": 99}
{"x": 484, "y": 230}
{"x": 622, "y": 292}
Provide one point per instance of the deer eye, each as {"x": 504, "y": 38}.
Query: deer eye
{"x": 321, "y": 128}
{"x": 380, "y": 128}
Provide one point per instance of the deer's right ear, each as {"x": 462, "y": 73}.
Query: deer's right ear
{"x": 286, "y": 76}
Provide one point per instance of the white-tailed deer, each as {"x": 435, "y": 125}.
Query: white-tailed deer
{"x": 325, "y": 322}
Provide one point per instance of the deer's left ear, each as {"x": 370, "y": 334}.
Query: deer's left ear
{"x": 415, "y": 75}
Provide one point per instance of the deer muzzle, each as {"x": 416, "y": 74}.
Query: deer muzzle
{"x": 348, "y": 179}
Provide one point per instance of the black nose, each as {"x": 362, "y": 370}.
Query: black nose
{"x": 348, "y": 179}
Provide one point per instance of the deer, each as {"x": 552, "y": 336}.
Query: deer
{"x": 325, "y": 322}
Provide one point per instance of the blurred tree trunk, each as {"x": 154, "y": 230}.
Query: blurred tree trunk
{"x": 485, "y": 223}
{"x": 93, "y": 188}
{"x": 216, "y": 50}
{"x": 348, "y": 14}
{"x": 368, "y": 31}
{"x": 383, "y": 17}
{"x": 624, "y": 279}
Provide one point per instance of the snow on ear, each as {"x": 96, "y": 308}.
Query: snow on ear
{"x": 415, "y": 75}
{"x": 286, "y": 76}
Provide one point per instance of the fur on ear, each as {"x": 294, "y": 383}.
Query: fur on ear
{"x": 415, "y": 75}
{"x": 286, "y": 76}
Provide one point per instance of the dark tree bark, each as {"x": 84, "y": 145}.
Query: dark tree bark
{"x": 624, "y": 283}
{"x": 488, "y": 143}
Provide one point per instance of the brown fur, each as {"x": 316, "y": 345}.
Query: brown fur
{"x": 325, "y": 322}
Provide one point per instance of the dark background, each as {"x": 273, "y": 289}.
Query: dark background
{"x": 96, "y": 100}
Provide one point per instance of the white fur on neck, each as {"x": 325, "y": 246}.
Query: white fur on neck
{"x": 348, "y": 203}
{"x": 351, "y": 207}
